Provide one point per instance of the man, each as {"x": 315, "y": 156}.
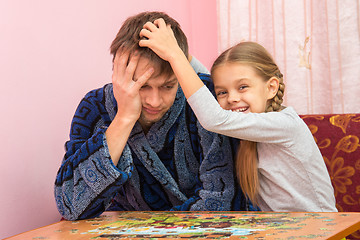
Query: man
{"x": 135, "y": 144}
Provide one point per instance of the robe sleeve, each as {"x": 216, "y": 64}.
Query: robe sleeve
{"x": 87, "y": 179}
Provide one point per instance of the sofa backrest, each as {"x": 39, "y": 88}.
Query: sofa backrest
{"x": 337, "y": 136}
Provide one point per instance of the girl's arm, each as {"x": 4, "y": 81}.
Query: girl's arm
{"x": 269, "y": 127}
{"x": 197, "y": 65}
{"x": 160, "y": 38}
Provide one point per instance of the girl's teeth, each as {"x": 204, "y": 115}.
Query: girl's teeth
{"x": 240, "y": 110}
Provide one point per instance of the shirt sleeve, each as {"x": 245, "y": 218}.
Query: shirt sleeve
{"x": 271, "y": 127}
{"x": 198, "y": 66}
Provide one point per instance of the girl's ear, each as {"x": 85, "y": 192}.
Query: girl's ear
{"x": 272, "y": 87}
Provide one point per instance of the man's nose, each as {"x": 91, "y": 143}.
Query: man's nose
{"x": 154, "y": 98}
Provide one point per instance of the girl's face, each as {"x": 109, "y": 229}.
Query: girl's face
{"x": 239, "y": 88}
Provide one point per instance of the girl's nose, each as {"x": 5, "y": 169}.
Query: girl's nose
{"x": 234, "y": 97}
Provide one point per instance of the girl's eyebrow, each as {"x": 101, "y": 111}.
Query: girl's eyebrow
{"x": 241, "y": 79}
{"x": 236, "y": 80}
{"x": 217, "y": 87}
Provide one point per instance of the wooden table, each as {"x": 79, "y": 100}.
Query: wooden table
{"x": 202, "y": 225}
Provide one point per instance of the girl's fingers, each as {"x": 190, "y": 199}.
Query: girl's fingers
{"x": 150, "y": 26}
{"x": 160, "y": 23}
{"x": 170, "y": 29}
{"x": 150, "y": 30}
{"x": 144, "y": 33}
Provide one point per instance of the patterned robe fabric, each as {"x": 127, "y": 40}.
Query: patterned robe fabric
{"x": 177, "y": 165}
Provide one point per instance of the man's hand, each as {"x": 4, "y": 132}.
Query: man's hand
{"x": 126, "y": 93}
{"x": 126, "y": 90}
{"x": 160, "y": 38}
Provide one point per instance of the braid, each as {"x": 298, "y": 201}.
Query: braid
{"x": 277, "y": 100}
{"x": 256, "y": 56}
{"x": 246, "y": 166}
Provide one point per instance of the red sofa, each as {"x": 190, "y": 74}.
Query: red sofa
{"x": 337, "y": 136}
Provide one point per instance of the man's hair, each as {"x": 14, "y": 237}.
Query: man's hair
{"x": 127, "y": 39}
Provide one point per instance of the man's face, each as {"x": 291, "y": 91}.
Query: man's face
{"x": 157, "y": 94}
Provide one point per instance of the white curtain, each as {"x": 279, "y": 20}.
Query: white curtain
{"x": 316, "y": 44}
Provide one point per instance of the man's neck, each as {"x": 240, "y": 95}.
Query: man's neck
{"x": 145, "y": 127}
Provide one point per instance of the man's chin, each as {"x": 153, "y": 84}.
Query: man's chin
{"x": 146, "y": 120}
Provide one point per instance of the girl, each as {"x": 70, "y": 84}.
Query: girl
{"x": 279, "y": 165}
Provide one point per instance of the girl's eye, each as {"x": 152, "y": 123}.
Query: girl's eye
{"x": 243, "y": 87}
{"x": 220, "y": 93}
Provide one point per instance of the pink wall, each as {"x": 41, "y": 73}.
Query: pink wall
{"x": 51, "y": 54}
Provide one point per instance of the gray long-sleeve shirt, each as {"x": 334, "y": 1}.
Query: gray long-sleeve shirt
{"x": 292, "y": 172}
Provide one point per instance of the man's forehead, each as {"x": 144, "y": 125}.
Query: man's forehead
{"x": 161, "y": 78}
{"x": 145, "y": 63}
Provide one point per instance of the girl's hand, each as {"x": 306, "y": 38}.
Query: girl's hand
{"x": 160, "y": 38}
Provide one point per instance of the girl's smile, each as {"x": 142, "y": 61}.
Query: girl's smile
{"x": 240, "y": 109}
{"x": 240, "y": 89}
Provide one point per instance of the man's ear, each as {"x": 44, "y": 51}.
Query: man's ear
{"x": 272, "y": 87}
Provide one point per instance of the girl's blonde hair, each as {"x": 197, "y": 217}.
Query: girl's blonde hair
{"x": 256, "y": 56}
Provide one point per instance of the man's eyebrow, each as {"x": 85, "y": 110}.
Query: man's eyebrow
{"x": 171, "y": 81}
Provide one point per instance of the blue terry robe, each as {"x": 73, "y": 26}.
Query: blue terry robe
{"x": 177, "y": 165}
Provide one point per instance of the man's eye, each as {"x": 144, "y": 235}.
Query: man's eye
{"x": 168, "y": 87}
{"x": 144, "y": 86}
